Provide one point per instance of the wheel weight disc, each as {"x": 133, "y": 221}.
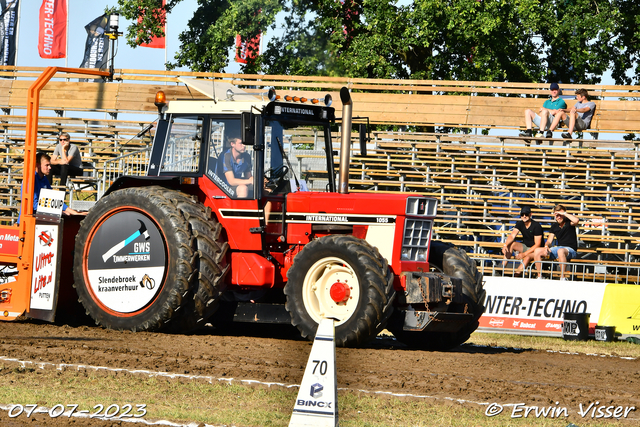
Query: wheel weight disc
{"x": 126, "y": 262}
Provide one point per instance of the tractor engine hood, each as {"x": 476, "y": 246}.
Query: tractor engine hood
{"x": 361, "y": 203}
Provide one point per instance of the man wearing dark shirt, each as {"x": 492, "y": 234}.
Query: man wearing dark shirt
{"x": 565, "y": 231}
{"x": 237, "y": 168}
{"x": 43, "y": 169}
{"x": 531, "y": 232}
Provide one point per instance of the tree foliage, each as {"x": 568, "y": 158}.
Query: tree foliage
{"x": 492, "y": 40}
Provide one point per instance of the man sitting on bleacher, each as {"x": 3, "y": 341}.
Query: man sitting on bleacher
{"x": 547, "y": 113}
{"x": 531, "y": 240}
{"x": 578, "y": 117}
{"x": 66, "y": 160}
{"x": 564, "y": 230}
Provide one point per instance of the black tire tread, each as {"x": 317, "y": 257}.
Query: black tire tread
{"x": 209, "y": 263}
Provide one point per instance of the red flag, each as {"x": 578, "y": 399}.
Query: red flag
{"x": 247, "y": 50}
{"x": 52, "y": 40}
{"x": 158, "y": 42}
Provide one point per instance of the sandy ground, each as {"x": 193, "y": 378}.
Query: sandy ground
{"x": 274, "y": 354}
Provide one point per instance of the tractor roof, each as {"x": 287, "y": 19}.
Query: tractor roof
{"x": 225, "y": 98}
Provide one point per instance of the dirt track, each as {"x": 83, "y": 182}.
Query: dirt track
{"x": 471, "y": 373}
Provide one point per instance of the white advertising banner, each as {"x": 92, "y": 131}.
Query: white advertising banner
{"x": 537, "y": 307}
{"x": 45, "y": 263}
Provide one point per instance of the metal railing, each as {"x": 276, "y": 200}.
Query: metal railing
{"x": 134, "y": 163}
{"x": 575, "y": 271}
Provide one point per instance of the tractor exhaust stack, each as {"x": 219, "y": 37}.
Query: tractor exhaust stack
{"x": 345, "y": 146}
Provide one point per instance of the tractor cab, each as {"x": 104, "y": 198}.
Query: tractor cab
{"x": 248, "y": 156}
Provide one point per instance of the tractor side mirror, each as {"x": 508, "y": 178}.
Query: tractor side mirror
{"x": 247, "y": 121}
{"x": 362, "y": 130}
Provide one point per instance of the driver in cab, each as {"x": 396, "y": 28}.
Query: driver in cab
{"x": 237, "y": 168}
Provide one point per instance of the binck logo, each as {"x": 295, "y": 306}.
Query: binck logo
{"x": 316, "y": 390}
{"x": 301, "y": 402}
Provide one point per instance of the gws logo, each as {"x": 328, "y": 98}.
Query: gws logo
{"x": 142, "y": 231}
{"x": 316, "y": 390}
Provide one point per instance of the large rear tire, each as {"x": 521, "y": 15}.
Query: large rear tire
{"x": 148, "y": 260}
{"x": 211, "y": 265}
{"x": 340, "y": 277}
{"x": 452, "y": 262}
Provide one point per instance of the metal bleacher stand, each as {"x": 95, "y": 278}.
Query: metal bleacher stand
{"x": 461, "y": 147}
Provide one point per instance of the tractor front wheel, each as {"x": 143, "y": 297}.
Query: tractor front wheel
{"x": 344, "y": 278}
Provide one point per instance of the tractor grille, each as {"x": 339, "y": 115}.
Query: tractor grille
{"x": 416, "y": 237}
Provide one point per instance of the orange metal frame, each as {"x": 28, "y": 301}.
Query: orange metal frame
{"x": 20, "y": 290}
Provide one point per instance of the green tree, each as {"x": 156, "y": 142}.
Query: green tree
{"x": 492, "y": 40}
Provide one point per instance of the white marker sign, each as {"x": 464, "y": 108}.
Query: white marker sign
{"x": 50, "y": 202}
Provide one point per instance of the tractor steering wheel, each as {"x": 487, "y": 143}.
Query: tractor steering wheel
{"x": 275, "y": 177}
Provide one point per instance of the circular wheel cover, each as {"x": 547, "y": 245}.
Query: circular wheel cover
{"x": 126, "y": 262}
{"x": 316, "y": 290}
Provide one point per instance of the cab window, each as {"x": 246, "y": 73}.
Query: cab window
{"x": 182, "y": 150}
{"x": 230, "y": 163}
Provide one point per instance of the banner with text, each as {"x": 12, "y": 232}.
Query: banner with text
{"x": 96, "y": 50}
{"x": 52, "y": 39}
{"x": 247, "y": 50}
{"x": 537, "y": 307}
{"x": 8, "y": 31}
{"x": 45, "y": 263}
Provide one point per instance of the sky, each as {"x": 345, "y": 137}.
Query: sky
{"x": 81, "y": 12}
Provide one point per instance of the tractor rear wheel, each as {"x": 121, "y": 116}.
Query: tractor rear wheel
{"x": 344, "y": 278}
{"x": 146, "y": 261}
{"x": 452, "y": 262}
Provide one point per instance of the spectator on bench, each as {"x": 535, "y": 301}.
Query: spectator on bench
{"x": 531, "y": 240}
{"x": 565, "y": 231}
{"x": 66, "y": 159}
{"x": 577, "y": 118}
{"x": 547, "y": 113}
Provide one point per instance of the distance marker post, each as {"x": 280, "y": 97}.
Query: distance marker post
{"x": 317, "y": 402}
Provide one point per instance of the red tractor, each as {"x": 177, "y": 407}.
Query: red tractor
{"x": 225, "y": 225}
{"x": 223, "y": 222}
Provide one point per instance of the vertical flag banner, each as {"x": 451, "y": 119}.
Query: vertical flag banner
{"x": 96, "y": 50}
{"x": 8, "y": 33}
{"x": 158, "y": 42}
{"x": 247, "y": 49}
{"x": 52, "y": 39}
